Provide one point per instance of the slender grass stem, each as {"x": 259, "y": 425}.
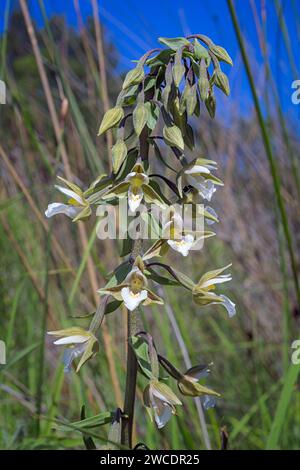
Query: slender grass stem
{"x": 268, "y": 149}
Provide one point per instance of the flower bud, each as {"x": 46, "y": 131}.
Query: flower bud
{"x": 173, "y": 137}
{"x": 221, "y": 81}
{"x": 140, "y": 118}
{"x": 111, "y": 118}
{"x": 119, "y": 152}
{"x": 133, "y": 77}
{"x": 221, "y": 54}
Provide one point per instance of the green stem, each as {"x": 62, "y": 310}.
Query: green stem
{"x": 268, "y": 148}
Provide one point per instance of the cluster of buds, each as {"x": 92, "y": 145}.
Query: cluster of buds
{"x": 166, "y": 88}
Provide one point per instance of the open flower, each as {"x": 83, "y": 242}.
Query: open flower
{"x": 175, "y": 236}
{"x": 80, "y": 343}
{"x": 78, "y": 206}
{"x": 198, "y": 175}
{"x": 188, "y": 384}
{"x": 136, "y": 187}
{"x": 133, "y": 290}
{"x": 160, "y": 402}
{"x": 202, "y": 292}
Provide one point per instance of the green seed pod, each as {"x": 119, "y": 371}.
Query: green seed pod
{"x": 173, "y": 137}
{"x": 119, "y": 152}
{"x": 133, "y": 77}
{"x": 221, "y": 81}
{"x": 140, "y": 118}
{"x": 111, "y": 118}
{"x": 221, "y": 54}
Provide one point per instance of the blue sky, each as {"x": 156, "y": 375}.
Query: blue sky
{"x": 134, "y": 25}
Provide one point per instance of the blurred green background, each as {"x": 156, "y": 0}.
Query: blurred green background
{"x": 50, "y": 271}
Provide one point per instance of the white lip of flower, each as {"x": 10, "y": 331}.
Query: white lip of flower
{"x": 161, "y": 406}
{"x": 134, "y": 199}
{"x": 131, "y": 299}
{"x": 229, "y": 305}
{"x": 135, "y": 191}
{"x": 78, "y": 344}
{"x": 183, "y": 245}
{"x": 208, "y": 401}
{"x": 205, "y": 187}
{"x": 59, "y": 208}
{"x": 68, "y": 209}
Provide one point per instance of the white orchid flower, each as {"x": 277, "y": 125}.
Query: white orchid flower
{"x": 203, "y": 295}
{"x": 183, "y": 245}
{"x": 133, "y": 291}
{"x": 81, "y": 343}
{"x": 136, "y": 188}
{"x": 160, "y": 402}
{"x": 198, "y": 174}
{"x": 77, "y": 208}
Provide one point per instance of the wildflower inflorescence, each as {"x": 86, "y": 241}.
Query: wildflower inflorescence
{"x": 159, "y": 96}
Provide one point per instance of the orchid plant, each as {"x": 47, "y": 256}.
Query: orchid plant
{"x": 151, "y": 122}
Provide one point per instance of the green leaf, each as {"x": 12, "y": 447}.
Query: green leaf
{"x": 88, "y": 423}
{"x": 152, "y": 197}
{"x": 174, "y": 43}
{"x": 289, "y": 384}
{"x": 153, "y": 114}
{"x": 140, "y": 347}
{"x": 163, "y": 58}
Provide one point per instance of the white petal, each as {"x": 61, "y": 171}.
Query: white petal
{"x": 229, "y": 305}
{"x": 208, "y": 401}
{"x": 216, "y": 280}
{"x": 70, "y": 354}
{"x": 132, "y": 300}
{"x": 162, "y": 418}
{"x": 198, "y": 169}
{"x": 70, "y": 193}
{"x": 206, "y": 188}
{"x": 58, "y": 208}
{"x": 72, "y": 339}
{"x": 183, "y": 246}
{"x": 134, "y": 200}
